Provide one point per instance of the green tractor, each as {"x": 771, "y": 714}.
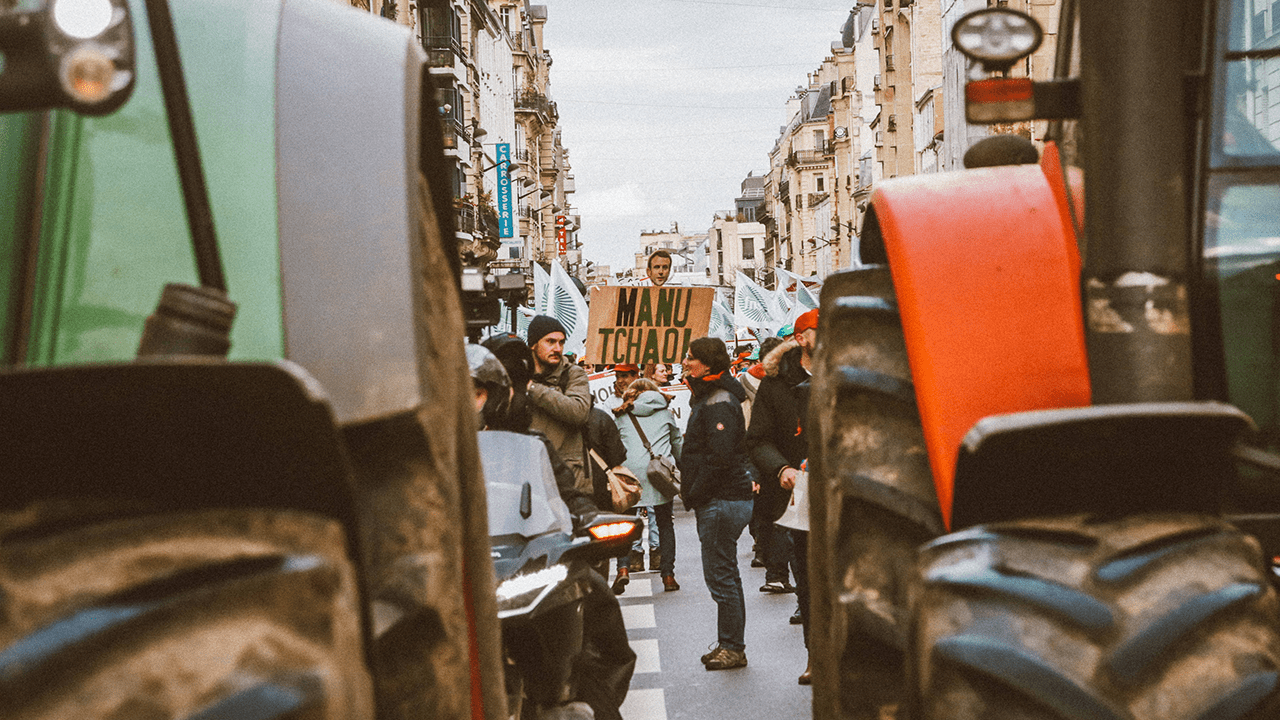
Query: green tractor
{"x": 1046, "y": 458}
{"x": 259, "y": 497}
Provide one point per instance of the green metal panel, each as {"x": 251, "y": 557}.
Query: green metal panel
{"x": 18, "y": 142}
{"x": 115, "y": 229}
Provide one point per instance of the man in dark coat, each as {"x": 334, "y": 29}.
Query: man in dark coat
{"x": 716, "y": 485}
{"x": 778, "y": 444}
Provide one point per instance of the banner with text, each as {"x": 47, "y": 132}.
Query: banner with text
{"x": 646, "y": 324}
{"x": 506, "y": 220}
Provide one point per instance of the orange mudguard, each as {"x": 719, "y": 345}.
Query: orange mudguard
{"x": 987, "y": 280}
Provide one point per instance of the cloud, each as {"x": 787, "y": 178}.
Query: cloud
{"x": 613, "y": 202}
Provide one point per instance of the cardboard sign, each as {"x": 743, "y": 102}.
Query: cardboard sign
{"x": 642, "y": 325}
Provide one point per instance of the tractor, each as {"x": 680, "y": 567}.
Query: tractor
{"x": 1046, "y": 431}
{"x": 260, "y": 496}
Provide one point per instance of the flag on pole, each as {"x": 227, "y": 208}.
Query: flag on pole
{"x": 780, "y": 307}
{"x": 751, "y": 305}
{"x": 805, "y": 298}
{"x": 786, "y": 280}
{"x": 721, "y": 322}
{"x": 567, "y": 305}
{"x": 541, "y": 281}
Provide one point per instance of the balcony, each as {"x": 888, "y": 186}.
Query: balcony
{"x": 535, "y": 102}
{"x": 442, "y": 50}
{"x": 453, "y": 133}
{"x": 467, "y": 219}
{"x": 488, "y": 222}
{"x": 804, "y": 157}
{"x": 784, "y": 190}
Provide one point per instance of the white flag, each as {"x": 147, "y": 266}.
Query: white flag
{"x": 806, "y": 300}
{"x": 567, "y": 305}
{"x": 541, "y": 281}
{"x": 721, "y": 322}
{"x": 783, "y": 279}
{"x": 780, "y": 308}
{"x": 751, "y": 305}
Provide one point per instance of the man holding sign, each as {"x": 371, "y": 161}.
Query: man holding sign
{"x": 644, "y": 325}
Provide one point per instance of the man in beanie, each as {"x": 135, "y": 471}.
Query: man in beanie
{"x": 717, "y": 487}
{"x": 778, "y": 447}
{"x": 559, "y": 396}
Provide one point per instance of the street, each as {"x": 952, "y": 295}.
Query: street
{"x": 670, "y": 632}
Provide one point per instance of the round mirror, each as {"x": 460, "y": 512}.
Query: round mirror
{"x": 83, "y": 19}
{"x": 997, "y": 37}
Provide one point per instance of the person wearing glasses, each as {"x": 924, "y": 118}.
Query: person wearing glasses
{"x": 716, "y": 485}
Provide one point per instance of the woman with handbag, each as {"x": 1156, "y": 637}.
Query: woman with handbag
{"x": 653, "y": 443}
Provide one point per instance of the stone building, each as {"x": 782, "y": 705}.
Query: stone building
{"x": 491, "y": 73}
{"x": 734, "y": 244}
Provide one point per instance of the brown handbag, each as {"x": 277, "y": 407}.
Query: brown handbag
{"x": 663, "y": 474}
{"x": 624, "y": 486}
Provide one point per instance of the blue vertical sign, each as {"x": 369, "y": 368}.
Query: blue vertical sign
{"x": 506, "y": 226}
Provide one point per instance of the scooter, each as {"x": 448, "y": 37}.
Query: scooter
{"x": 566, "y": 648}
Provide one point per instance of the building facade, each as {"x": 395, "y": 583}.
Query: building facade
{"x": 491, "y": 72}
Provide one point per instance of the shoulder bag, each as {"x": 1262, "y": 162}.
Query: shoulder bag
{"x": 624, "y": 486}
{"x": 663, "y": 474}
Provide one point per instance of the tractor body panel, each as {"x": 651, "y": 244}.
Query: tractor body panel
{"x": 986, "y": 278}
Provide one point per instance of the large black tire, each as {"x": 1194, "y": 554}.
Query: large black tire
{"x": 208, "y": 614}
{"x": 873, "y": 500}
{"x": 1166, "y": 617}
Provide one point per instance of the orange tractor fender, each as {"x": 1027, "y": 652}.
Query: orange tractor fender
{"x": 986, "y": 271}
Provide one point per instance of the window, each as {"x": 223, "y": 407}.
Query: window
{"x": 819, "y": 140}
{"x": 819, "y": 184}
{"x": 748, "y": 248}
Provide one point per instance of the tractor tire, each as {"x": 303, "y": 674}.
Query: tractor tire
{"x": 872, "y": 502}
{"x": 1150, "y": 617}
{"x": 114, "y": 613}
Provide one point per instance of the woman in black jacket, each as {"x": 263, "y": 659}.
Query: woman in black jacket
{"x": 717, "y": 487}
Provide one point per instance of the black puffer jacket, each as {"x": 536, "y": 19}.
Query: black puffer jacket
{"x": 776, "y": 436}
{"x": 713, "y": 463}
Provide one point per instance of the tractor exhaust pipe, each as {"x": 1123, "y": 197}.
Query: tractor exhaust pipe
{"x": 1137, "y": 324}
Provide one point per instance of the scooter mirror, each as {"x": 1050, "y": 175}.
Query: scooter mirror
{"x": 73, "y": 54}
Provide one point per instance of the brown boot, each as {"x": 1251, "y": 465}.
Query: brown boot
{"x": 620, "y": 582}
{"x": 669, "y": 584}
{"x": 636, "y": 563}
{"x": 806, "y": 677}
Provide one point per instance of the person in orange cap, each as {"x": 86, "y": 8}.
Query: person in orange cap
{"x": 779, "y": 446}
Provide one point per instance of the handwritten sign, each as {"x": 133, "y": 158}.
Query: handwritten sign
{"x": 642, "y": 325}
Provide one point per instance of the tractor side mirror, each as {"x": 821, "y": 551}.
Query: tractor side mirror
{"x": 74, "y": 54}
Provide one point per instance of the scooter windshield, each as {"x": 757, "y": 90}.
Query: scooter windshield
{"x": 512, "y": 461}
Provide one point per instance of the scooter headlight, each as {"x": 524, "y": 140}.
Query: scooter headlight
{"x": 522, "y": 593}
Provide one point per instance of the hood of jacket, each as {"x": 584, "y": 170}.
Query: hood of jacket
{"x": 707, "y": 384}
{"x": 783, "y": 362}
{"x": 648, "y": 403}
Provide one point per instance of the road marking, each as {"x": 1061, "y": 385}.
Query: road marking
{"x": 639, "y": 587}
{"x": 646, "y": 656}
{"x": 638, "y": 616}
{"x": 645, "y": 705}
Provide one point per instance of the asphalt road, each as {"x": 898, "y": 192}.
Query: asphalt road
{"x": 670, "y": 631}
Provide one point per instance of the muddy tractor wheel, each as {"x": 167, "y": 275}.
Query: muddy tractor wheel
{"x": 873, "y": 502}
{"x": 1151, "y": 617}
{"x": 206, "y": 614}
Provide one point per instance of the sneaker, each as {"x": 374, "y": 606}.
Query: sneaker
{"x": 669, "y": 584}
{"x": 777, "y": 588}
{"x": 796, "y": 618}
{"x": 620, "y": 583}
{"x": 715, "y": 648}
{"x": 655, "y": 559}
{"x": 726, "y": 659}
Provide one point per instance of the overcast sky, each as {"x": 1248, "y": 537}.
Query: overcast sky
{"x": 665, "y": 105}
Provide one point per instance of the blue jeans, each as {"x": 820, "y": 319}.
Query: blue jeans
{"x": 720, "y": 524}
